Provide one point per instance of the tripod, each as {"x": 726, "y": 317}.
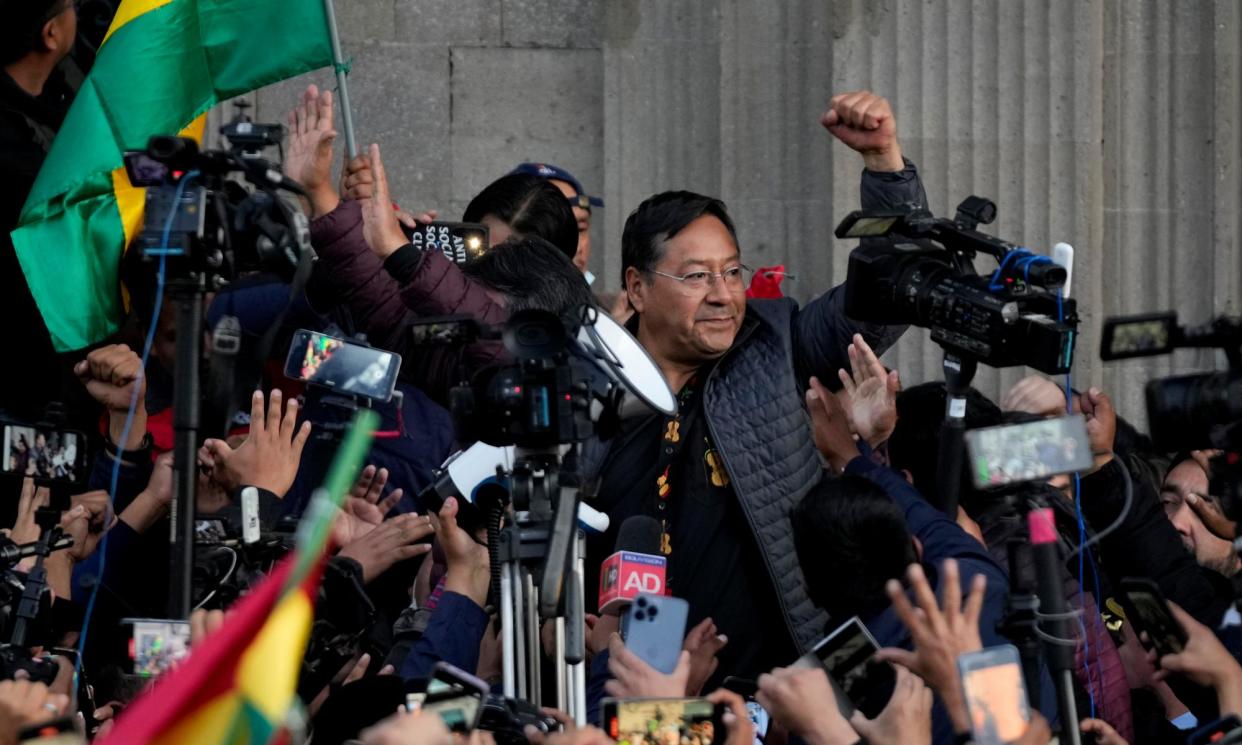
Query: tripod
{"x": 540, "y": 554}
{"x": 959, "y": 371}
{"x": 188, "y": 293}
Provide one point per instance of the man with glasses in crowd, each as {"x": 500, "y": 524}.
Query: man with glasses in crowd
{"x": 722, "y": 475}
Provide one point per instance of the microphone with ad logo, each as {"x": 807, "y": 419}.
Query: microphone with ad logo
{"x": 635, "y": 568}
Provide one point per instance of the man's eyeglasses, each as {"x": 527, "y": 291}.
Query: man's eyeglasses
{"x": 734, "y": 278}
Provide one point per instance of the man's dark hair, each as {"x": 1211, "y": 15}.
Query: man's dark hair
{"x": 851, "y": 539}
{"x": 915, "y": 443}
{"x": 22, "y": 30}
{"x": 531, "y": 273}
{"x": 658, "y": 219}
{"x": 530, "y": 206}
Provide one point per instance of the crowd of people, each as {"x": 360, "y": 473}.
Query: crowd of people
{"x": 791, "y": 487}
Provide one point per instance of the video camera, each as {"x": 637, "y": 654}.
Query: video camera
{"x": 202, "y": 221}
{"x": 1015, "y": 316}
{"x": 570, "y": 378}
{"x": 1185, "y": 412}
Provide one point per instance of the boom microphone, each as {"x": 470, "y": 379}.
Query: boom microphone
{"x": 635, "y": 568}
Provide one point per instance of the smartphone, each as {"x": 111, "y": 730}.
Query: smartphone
{"x": 343, "y": 366}
{"x": 651, "y": 721}
{"x": 654, "y": 628}
{"x": 155, "y": 644}
{"x": 453, "y": 694}
{"x": 1138, "y": 336}
{"x": 861, "y": 681}
{"x": 1032, "y": 451}
{"x": 759, "y": 717}
{"x": 1148, "y": 611}
{"x": 995, "y": 694}
{"x": 44, "y": 454}
{"x": 460, "y": 242}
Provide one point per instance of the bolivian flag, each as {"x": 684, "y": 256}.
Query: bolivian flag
{"x": 162, "y": 66}
{"x": 238, "y": 686}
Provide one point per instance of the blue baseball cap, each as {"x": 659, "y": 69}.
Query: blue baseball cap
{"x": 544, "y": 170}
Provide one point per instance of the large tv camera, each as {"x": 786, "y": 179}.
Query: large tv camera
{"x": 201, "y": 220}
{"x": 1185, "y": 412}
{"x": 923, "y": 274}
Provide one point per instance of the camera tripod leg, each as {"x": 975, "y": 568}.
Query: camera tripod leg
{"x": 533, "y": 645}
{"x": 509, "y": 639}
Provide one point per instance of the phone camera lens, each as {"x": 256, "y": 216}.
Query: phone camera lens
{"x": 641, "y": 602}
{"x": 652, "y": 611}
{"x": 640, "y": 616}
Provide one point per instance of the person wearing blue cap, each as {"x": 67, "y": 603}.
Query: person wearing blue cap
{"x": 579, "y": 200}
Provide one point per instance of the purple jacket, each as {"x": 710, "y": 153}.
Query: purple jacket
{"x": 384, "y": 297}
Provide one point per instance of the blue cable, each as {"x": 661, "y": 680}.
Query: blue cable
{"x": 163, "y": 252}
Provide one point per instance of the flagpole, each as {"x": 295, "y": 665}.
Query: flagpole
{"x": 338, "y": 64}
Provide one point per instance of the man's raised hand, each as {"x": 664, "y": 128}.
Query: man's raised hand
{"x": 865, "y": 123}
{"x": 270, "y": 456}
{"x": 309, "y": 159}
{"x": 380, "y": 226}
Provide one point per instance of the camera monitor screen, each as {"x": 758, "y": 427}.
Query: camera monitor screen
{"x": 1138, "y": 336}
{"x": 1032, "y": 451}
{"x": 661, "y": 721}
{"x": 343, "y": 366}
{"x": 44, "y": 454}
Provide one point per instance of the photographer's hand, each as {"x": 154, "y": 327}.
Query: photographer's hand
{"x": 830, "y": 428}
{"x": 110, "y": 374}
{"x": 1101, "y": 425}
{"x": 24, "y": 529}
{"x": 380, "y": 226}
{"x": 906, "y": 718}
{"x": 741, "y": 731}
{"x": 1206, "y": 661}
{"x": 469, "y": 566}
{"x": 869, "y": 395}
{"x": 803, "y": 702}
{"x": 865, "y": 123}
{"x": 394, "y": 540}
{"x": 270, "y": 456}
{"x": 939, "y": 635}
{"x": 403, "y": 728}
{"x": 151, "y": 503}
{"x": 632, "y": 677}
{"x": 703, "y": 643}
{"x": 23, "y": 703}
{"x": 309, "y": 157}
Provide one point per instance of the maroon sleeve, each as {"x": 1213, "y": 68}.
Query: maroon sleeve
{"x": 349, "y": 274}
{"x": 439, "y": 288}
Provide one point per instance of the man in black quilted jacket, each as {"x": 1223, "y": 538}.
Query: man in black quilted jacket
{"x": 722, "y": 475}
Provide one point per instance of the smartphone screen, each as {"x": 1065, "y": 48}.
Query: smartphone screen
{"x": 343, "y": 366}
{"x": 995, "y": 694}
{"x": 1151, "y": 614}
{"x": 1138, "y": 336}
{"x": 48, "y": 454}
{"x": 1032, "y": 451}
{"x": 760, "y": 718}
{"x": 688, "y": 721}
{"x": 155, "y": 644}
{"x": 460, "y": 242}
{"x": 848, "y": 654}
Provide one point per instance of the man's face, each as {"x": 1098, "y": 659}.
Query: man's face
{"x": 583, "y": 216}
{"x": 1209, "y": 551}
{"x": 680, "y": 324}
{"x": 64, "y": 28}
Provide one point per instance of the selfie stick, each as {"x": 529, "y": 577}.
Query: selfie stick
{"x": 342, "y": 88}
{"x": 959, "y": 371}
{"x": 1058, "y": 645}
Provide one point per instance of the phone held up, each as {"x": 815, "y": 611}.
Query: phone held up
{"x": 342, "y": 366}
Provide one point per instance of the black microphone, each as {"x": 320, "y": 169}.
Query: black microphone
{"x": 636, "y": 566}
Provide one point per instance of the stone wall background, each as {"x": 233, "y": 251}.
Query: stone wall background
{"x": 1110, "y": 124}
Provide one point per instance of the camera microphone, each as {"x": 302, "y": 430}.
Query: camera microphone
{"x": 1063, "y": 255}
{"x": 636, "y": 567}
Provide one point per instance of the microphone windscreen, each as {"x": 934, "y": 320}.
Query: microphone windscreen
{"x": 639, "y": 534}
